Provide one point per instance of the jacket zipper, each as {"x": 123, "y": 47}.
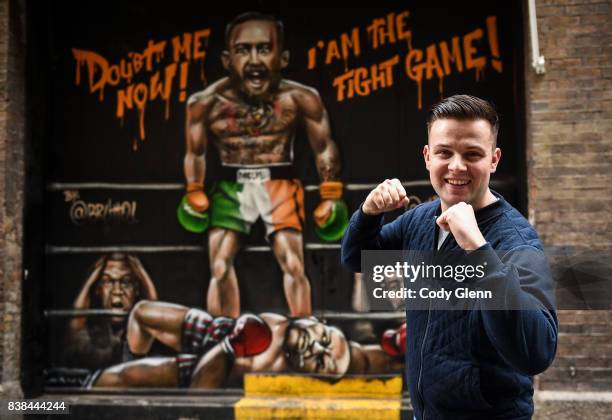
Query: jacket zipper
{"x": 421, "y": 366}
{"x": 428, "y": 317}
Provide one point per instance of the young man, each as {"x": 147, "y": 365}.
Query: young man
{"x": 474, "y": 363}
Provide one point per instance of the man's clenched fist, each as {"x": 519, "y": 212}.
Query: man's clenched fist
{"x": 387, "y": 196}
{"x": 460, "y": 220}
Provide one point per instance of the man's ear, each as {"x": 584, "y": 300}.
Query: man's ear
{"x": 426, "y": 155}
{"x": 284, "y": 59}
{"x": 495, "y": 159}
{"x": 225, "y": 59}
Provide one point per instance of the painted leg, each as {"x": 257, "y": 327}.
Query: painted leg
{"x": 151, "y": 320}
{"x": 223, "y": 296}
{"x": 287, "y": 247}
{"x": 149, "y": 372}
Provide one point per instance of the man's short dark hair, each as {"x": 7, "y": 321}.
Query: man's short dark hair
{"x": 248, "y": 16}
{"x": 465, "y": 107}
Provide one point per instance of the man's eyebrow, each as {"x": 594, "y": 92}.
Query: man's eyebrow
{"x": 474, "y": 147}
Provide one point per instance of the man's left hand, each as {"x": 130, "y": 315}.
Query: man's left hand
{"x": 461, "y": 222}
{"x": 323, "y": 212}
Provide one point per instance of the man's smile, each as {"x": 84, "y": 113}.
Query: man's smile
{"x": 457, "y": 181}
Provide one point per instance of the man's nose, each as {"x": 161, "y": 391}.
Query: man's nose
{"x": 116, "y": 288}
{"x": 254, "y": 56}
{"x": 318, "y": 348}
{"x": 457, "y": 164}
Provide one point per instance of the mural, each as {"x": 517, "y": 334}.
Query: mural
{"x": 199, "y": 188}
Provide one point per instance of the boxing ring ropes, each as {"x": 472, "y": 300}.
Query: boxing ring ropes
{"x": 332, "y": 315}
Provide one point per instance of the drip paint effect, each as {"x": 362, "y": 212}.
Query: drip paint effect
{"x": 461, "y": 53}
{"x": 140, "y": 78}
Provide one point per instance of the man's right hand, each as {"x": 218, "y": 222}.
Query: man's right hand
{"x": 387, "y": 196}
{"x": 196, "y": 197}
{"x": 192, "y": 210}
{"x": 251, "y": 336}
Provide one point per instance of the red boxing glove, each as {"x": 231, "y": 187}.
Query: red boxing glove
{"x": 251, "y": 336}
{"x": 393, "y": 342}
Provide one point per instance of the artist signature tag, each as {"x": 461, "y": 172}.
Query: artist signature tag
{"x": 245, "y": 175}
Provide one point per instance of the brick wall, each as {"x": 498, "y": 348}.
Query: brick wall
{"x": 569, "y": 161}
{"x": 11, "y": 197}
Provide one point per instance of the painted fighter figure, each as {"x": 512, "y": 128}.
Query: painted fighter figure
{"x": 117, "y": 281}
{"x": 251, "y": 118}
{"x": 216, "y": 352}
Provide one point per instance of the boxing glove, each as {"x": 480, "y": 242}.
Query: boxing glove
{"x": 393, "y": 342}
{"x": 250, "y": 336}
{"x": 331, "y": 215}
{"x": 191, "y": 211}
{"x": 196, "y": 198}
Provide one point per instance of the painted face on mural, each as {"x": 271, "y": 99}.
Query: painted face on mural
{"x": 460, "y": 158}
{"x": 254, "y": 58}
{"x": 313, "y": 347}
{"x": 117, "y": 287}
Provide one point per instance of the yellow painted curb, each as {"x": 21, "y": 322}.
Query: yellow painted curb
{"x": 300, "y": 385}
{"x": 285, "y": 396}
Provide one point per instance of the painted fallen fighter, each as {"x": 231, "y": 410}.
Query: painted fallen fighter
{"x": 216, "y": 352}
{"x": 117, "y": 281}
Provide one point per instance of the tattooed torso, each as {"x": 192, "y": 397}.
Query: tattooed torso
{"x": 247, "y": 134}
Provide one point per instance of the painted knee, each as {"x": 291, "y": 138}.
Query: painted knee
{"x": 139, "y": 309}
{"x": 293, "y": 266}
{"x": 220, "y": 269}
{"x": 135, "y": 330}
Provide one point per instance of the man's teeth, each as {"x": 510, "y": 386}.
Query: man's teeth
{"x": 458, "y": 181}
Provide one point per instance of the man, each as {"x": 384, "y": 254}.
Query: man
{"x": 117, "y": 281}
{"x": 216, "y": 352}
{"x": 474, "y": 363}
{"x": 251, "y": 118}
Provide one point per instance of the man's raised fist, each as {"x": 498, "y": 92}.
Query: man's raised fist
{"x": 387, "y": 196}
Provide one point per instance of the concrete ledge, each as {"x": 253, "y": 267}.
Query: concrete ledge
{"x": 562, "y": 405}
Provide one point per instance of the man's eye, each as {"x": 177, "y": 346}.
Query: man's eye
{"x": 443, "y": 153}
{"x": 473, "y": 155}
{"x": 241, "y": 50}
{"x": 264, "y": 49}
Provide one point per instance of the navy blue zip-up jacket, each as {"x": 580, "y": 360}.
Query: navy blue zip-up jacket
{"x": 476, "y": 363}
